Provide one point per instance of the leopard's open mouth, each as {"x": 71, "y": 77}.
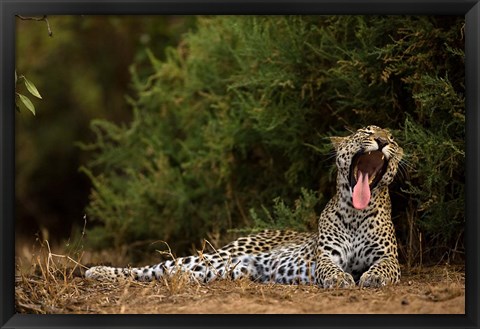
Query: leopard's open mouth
{"x": 366, "y": 171}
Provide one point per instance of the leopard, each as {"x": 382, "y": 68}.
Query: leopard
{"x": 355, "y": 245}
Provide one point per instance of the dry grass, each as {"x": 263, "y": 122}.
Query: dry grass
{"x": 54, "y": 284}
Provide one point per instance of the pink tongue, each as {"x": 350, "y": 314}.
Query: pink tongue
{"x": 361, "y": 192}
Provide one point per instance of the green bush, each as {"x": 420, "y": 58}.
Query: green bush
{"x": 235, "y": 121}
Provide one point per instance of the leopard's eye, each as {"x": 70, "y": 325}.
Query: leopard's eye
{"x": 367, "y": 132}
{"x": 370, "y": 131}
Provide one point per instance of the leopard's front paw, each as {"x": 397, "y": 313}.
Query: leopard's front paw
{"x": 373, "y": 280}
{"x": 339, "y": 280}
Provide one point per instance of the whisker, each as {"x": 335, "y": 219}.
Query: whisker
{"x": 329, "y": 156}
{"x": 402, "y": 172}
{"x": 406, "y": 163}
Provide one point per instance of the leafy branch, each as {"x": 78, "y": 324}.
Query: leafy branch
{"x": 22, "y": 79}
{"x": 19, "y": 80}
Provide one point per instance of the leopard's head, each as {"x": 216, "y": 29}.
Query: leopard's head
{"x": 366, "y": 160}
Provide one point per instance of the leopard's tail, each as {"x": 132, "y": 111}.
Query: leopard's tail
{"x": 203, "y": 268}
{"x": 108, "y": 273}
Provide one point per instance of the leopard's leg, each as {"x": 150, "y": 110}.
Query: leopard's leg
{"x": 385, "y": 271}
{"x": 330, "y": 275}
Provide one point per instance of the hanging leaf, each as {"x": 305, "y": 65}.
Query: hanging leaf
{"x": 27, "y": 102}
{"x": 32, "y": 89}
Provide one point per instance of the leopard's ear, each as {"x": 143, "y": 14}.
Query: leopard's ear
{"x": 336, "y": 141}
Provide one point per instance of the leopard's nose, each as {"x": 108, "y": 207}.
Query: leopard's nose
{"x": 381, "y": 141}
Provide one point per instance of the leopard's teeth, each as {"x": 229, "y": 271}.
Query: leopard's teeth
{"x": 355, "y": 173}
{"x": 371, "y": 179}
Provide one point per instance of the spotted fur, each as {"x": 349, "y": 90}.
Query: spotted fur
{"x": 351, "y": 246}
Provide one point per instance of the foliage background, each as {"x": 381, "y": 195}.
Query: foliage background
{"x": 82, "y": 72}
{"x": 226, "y": 122}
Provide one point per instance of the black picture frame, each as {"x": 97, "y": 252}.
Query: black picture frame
{"x": 9, "y": 8}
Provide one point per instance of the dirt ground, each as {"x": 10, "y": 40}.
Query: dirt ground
{"x": 431, "y": 290}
